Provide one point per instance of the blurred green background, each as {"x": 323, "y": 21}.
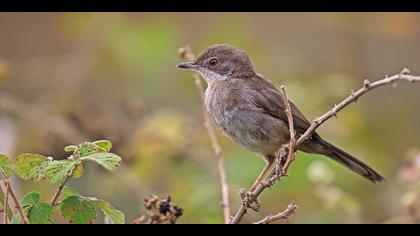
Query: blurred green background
{"x": 112, "y": 76}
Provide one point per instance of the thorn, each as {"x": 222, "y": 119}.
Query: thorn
{"x": 405, "y": 71}
{"x": 242, "y": 193}
{"x": 334, "y": 112}
{"x": 366, "y": 83}
{"x": 353, "y": 94}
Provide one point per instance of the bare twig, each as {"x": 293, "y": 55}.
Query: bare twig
{"x": 186, "y": 54}
{"x": 291, "y": 208}
{"x": 367, "y": 86}
{"x": 12, "y": 194}
{"x": 8, "y": 209}
{"x": 61, "y": 187}
{"x": 292, "y": 142}
{"x": 5, "y": 206}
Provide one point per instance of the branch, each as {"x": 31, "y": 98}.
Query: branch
{"x": 367, "y": 86}
{"x": 9, "y": 190}
{"x": 5, "y": 206}
{"x": 291, "y": 208}
{"x": 186, "y": 54}
{"x": 60, "y": 187}
{"x": 292, "y": 142}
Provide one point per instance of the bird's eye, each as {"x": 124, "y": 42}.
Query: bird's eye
{"x": 213, "y": 61}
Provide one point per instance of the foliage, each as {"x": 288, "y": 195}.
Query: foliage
{"x": 73, "y": 207}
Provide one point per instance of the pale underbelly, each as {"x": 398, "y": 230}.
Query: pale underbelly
{"x": 254, "y": 131}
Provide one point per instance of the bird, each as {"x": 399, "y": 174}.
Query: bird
{"x": 250, "y": 110}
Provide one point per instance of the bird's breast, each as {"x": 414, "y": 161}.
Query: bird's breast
{"x": 249, "y": 128}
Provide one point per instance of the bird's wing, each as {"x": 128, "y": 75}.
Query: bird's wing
{"x": 267, "y": 98}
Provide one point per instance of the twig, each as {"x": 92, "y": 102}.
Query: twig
{"x": 8, "y": 210}
{"x": 292, "y": 142}
{"x": 9, "y": 189}
{"x": 291, "y": 208}
{"x": 60, "y": 187}
{"x": 186, "y": 54}
{"x": 367, "y": 86}
{"x": 5, "y": 205}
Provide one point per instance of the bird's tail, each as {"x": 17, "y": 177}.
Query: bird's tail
{"x": 350, "y": 162}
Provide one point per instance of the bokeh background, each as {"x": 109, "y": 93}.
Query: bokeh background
{"x": 70, "y": 77}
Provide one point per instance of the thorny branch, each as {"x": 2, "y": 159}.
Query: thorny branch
{"x": 5, "y": 206}
{"x": 291, "y": 208}
{"x": 61, "y": 187}
{"x": 404, "y": 75}
{"x": 186, "y": 54}
{"x": 9, "y": 191}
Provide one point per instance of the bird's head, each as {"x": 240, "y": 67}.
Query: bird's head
{"x": 221, "y": 61}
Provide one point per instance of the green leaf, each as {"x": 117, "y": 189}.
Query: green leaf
{"x": 16, "y": 219}
{"x": 77, "y": 210}
{"x": 38, "y": 213}
{"x": 78, "y": 172}
{"x": 41, "y": 213}
{"x": 116, "y": 216}
{"x": 57, "y": 171}
{"x": 70, "y": 149}
{"x": 105, "y": 144}
{"x": 68, "y": 192}
{"x": 86, "y": 149}
{"x": 108, "y": 161}
{"x": 30, "y": 200}
{"x": 31, "y": 166}
{"x": 6, "y": 166}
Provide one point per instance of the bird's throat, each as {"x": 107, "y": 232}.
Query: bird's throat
{"x": 210, "y": 76}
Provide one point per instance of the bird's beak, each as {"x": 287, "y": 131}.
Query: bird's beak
{"x": 187, "y": 65}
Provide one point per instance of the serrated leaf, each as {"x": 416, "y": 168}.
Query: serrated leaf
{"x": 105, "y": 144}
{"x": 41, "y": 213}
{"x": 6, "y": 166}
{"x": 57, "y": 171}
{"x": 109, "y": 161}
{"x": 70, "y": 149}
{"x": 68, "y": 192}
{"x": 31, "y": 166}
{"x": 116, "y": 216}
{"x": 38, "y": 213}
{"x": 77, "y": 210}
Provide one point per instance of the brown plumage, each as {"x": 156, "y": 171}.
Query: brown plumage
{"x": 250, "y": 110}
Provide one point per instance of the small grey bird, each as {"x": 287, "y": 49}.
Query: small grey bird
{"x": 250, "y": 110}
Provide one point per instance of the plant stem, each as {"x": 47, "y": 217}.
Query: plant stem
{"x": 61, "y": 187}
